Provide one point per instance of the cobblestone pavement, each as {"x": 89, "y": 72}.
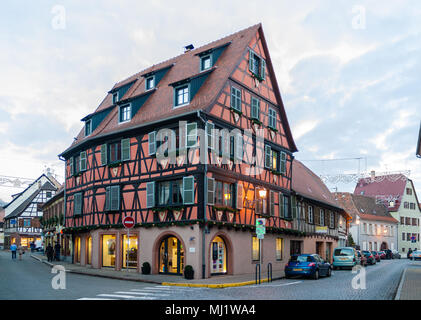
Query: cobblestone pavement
{"x": 411, "y": 284}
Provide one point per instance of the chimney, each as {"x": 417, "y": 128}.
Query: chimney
{"x": 372, "y": 175}
{"x": 188, "y": 48}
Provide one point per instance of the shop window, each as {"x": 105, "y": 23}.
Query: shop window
{"x": 130, "y": 249}
{"x": 108, "y": 250}
{"x": 279, "y": 249}
{"x": 218, "y": 256}
{"x": 89, "y": 250}
{"x": 255, "y": 249}
{"x": 77, "y": 250}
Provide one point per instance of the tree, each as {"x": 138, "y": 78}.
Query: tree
{"x": 350, "y": 241}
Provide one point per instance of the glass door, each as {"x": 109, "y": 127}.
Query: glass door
{"x": 89, "y": 250}
{"x": 130, "y": 250}
{"x": 171, "y": 256}
{"x": 218, "y": 256}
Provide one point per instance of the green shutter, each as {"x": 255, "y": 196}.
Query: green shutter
{"x": 294, "y": 207}
{"x": 283, "y": 162}
{"x": 77, "y": 199}
{"x": 115, "y": 198}
{"x": 188, "y": 190}
{"x": 211, "y": 190}
{"x": 191, "y": 134}
{"x": 250, "y": 60}
{"x": 107, "y": 198}
{"x": 104, "y": 154}
{"x": 210, "y": 127}
{"x": 254, "y": 108}
{"x": 272, "y": 203}
{"x": 281, "y": 205}
{"x": 268, "y": 157}
{"x": 150, "y": 194}
{"x": 152, "y": 143}
{"x": 263, "y": 69}
{"x": 239, "y": 147}
{"x": 82, "y": 161}
{"x": 72, "y": 172}
{"x": 125, "y": 149}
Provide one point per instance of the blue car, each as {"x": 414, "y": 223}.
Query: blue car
{"x": 345, "y": 257}
{"x": 309, "y": 265}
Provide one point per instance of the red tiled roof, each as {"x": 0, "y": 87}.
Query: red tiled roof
{"x": 363, "y": 206}
{"x": 160, "y": 104}
{"x": 306, "y": 183}
{"x": 387, "y": 187}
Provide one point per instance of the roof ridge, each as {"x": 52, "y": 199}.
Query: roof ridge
{"x": 192, "y": 51}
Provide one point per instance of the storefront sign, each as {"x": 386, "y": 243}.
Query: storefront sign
{"x": 321, "y": 229}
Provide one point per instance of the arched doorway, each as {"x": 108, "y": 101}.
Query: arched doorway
{"x": 218, "y": 256}
{"x": 383, "y": 246}
{"x": 171, "y": 256}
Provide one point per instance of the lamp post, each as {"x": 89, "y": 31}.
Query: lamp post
{"x": 358, "y": 226}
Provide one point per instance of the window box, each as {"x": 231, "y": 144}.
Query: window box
{"x": 225, "y": 209}
{"x": 236, "y": 111}
{"x": 257, "y": 77}
{"x": 276, "y": 172}
{"x": 273, "y": 129}
{"x": 115, "y": 164}
{"x": 255, "y": 121}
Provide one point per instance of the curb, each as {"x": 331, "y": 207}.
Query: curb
{"x": 398, "y": 293}
{"x": 175, "y": 284}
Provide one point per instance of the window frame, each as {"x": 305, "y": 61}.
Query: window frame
{"x": 175, "y": 97}
{"x": 236, "y": 99}
{"x": 121, "y": 112}
{"x": 203, "y": 59}
{"x": 147, "y": 79}
{"x": 272, "y": 118}
{"x": 88, "y": 132}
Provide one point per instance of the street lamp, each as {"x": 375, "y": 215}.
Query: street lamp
{"x": 358, "y": 225}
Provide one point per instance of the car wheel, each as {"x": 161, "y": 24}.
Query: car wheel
{"x": 329, "y": 272}
{"x": 316, "y": 275}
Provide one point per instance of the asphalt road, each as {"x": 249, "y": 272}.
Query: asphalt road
{"x": 29, "y": 279}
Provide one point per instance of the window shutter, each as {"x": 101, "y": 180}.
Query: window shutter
{"x": 272, "y": 203}
{"x": 107, "y": 198}
{"x": 188, "y": 190}
{"x": 251, "y": 60}
{"x": 125, "y": 149}
{"x": 210, "y": 127}
{"x": 150, "y": 194}
{"x": 115, "y": 198}
{"x": 254, "y": 111}
{"x": 152, "y": 143}
{"x": 268, "y": 158}
{"x": 239, "y": 147}
{"x": 283, "y": 162}
{"x": 239, "y": 196}
{"x": 77, "y": 210}
{"x": 103, "y": 154}
{"x": 211, "y": 191}
{"x": 263, "y": 71}
{"x": 83, "y": 161}
{"x": 281, "y": 205}
{"x": 294, "y": 207}
{"x": 71, "y": 160}
{"x": 191, "y": 134}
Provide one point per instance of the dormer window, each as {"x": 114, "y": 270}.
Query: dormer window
{"x": 150, "y": 83}
{"x": 115, "y": 97}
{"x": 125, "y": 113}
{"x": 205, "y": 63}
{"x": 181, "y": 95}
{"x": 88, "y": 127}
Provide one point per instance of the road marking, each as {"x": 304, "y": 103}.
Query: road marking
{"x": 95, "y": 299}
{"x": 274, "y": 285}
{"x": 144, "y": 293}
{"x": 122, "y": 296}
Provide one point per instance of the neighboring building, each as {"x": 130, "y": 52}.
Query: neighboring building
{"x": 398, "y": 194}
{"x": 52, "y": 223}
{"x": 372, "y": 226}
{"x": 317, "y": 214}
{"x": 23, "y": 213}
{"x": 1, "y": 228}
{"x": 187, "y": 212}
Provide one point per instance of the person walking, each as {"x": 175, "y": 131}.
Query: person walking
{"x": 13, "y": 249}
{"x": 57, "y": 248}
{"x": 21, "y": 251}
{"x": 50, "y": 252}
{"x": 408, "y": 255}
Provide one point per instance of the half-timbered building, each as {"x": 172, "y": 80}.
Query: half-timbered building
{"x": 194, "y": 149}
{"x": 22, "y": 215}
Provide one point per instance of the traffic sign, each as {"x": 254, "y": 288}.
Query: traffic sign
{"x": 128, "y": 222}
{"x": 260, "y": 227}
{"x": 413, "y": 240}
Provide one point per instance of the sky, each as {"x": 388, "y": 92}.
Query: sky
{"x": 349, "y": 73}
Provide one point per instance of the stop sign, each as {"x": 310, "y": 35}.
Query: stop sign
{"x": 128, "y": 222}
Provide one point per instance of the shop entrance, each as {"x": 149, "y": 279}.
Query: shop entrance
{"x": 218, "y": 256}
{"x": 171, "y": 256}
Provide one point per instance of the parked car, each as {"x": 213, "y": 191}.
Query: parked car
{"x": 415, "y": 255}
{"x": 362, "y": 258}
{"x": 389, "y": 254}
{"x": 309, "y": 265}
{"x": 396, "y": 254}
{"x": 376, "y": 255}
{"x": 344, "y": 257}
{"x": 370, "y": 258}
{"x": 382, "y": 255}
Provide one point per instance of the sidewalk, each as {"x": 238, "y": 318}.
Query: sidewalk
{"x": 167, "y": 280}
{"x": 410, "y": 285}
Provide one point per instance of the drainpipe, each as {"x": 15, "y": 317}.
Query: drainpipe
{"x": 204, "y": 205}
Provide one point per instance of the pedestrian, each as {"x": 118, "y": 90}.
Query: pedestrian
{"x": 57, "y": 248}
{"x": 408, "y": 255}
{"x": 13, "y": 248}
{"x": 49, "y": 251}
{"x": 21, "y": 251}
